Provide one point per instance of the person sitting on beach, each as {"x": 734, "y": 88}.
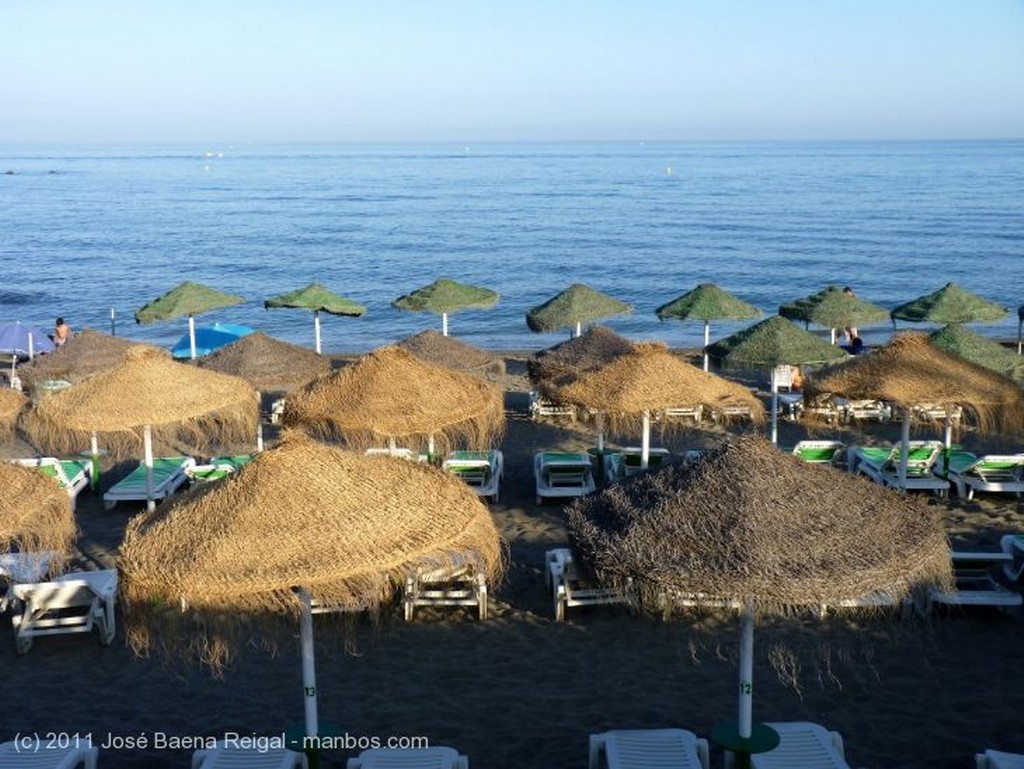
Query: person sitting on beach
{"x": 61, "y": 333}
{"x": 850, "y": 331}
{"x": 855, "y": 345}
{"x": 796, "y": 382}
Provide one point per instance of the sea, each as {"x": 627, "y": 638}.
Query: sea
{"x": 93, "y": 233}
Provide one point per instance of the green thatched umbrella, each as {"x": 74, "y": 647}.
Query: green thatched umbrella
{"x": 266, "y": 363}
{"x": 11, "y": 404}
{"x": 773, "y": 342}
{"x": 169, "y": 401}
{"x": 649, "y": 379}
{"x": 834, "y": 308}
{"x": 747, "y": 526}
{"x": 950, "y": 304}
{"x": 441, "y": 350}
{"x": 575, "y": 306}
{"x": 444, "y": 297}
{"x": 707, "y": 302}
{"x": 189, "y": 299}
{"x": 978, "y": 349}
{"x": 35, "y": 514}
{"x": 301, "y": 523}
{"x": 390, "y": 395}
{"x": 316, "y": 298}
{"x": 909, "y": 371}
{"x": 88, "y": 352}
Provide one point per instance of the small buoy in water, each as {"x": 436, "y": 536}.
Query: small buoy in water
{"x": 669, "y": 170}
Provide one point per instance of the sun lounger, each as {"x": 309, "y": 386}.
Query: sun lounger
{"x": 803, "y": 745}
{"x": 997, "y": 759}
{"x": 996, "y": 473}
{"x": 694, "y": 413}
{"x": 169, "y": 475}
{"x": 408, "y": 454}
{"x": 851, "y": 410}
{"x": 1012, "y": 545}
{"x": 218, "y": 467}
{"x": 571, "y": 586}
{"x": 975, "y": 583}
{"x": 73, "y": 475}
{"x": 455, "y": 585}
{"x": 15, "y": 756}
{"x": 882, "y": 465}
{"x": 820, "y": 452}
{"x": 437, "y": 757}
{"x": 541, "y": 407}
{"x": 72, "y": 603}
{"x": 225, "y": 757}
{"x": 562, "y": 474}
{"x": 648, "y": 749}
{"x": 23, "y": 567}
{"x": 482, "y": 470}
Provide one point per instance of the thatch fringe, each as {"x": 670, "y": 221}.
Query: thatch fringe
{"x": 35, "y": 513}
{"x": 12, "y": 403}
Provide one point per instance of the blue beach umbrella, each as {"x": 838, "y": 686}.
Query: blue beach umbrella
{"x": 208, "y": 339}
{"x": 23, "y": 341}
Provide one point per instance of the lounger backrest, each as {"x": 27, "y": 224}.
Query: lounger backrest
{"x": 999, "y": 467}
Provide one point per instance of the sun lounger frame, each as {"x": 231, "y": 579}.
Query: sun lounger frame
{"x": 570, "y": 588}
{"x": 450, "y": 586}
{"x": 570, "y": 476}
{"x": 73, "y": 603}
{"x": 1007, "y": 477}
{"x": 482, "y": 471}
{"x": 15, "y": 756}
{"x": 648, "y": 749}
{"x": 132, "y": 488}
{"x": 436, "y": 757}
{"x": 224, "y": 757}
{"x": 73, "y": 483}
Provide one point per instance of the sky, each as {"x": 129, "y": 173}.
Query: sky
{"x": 509, "y": 70}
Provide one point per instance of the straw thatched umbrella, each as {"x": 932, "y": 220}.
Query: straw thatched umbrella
{"x": 978, "y": 349}
{"x": 910, "y": 370}
{"x": 86, "y": 353}
{"x": 266, "y": 363}
{"x": 445, "y": 296}
{"x": 318, "y": 299}
{"x": 650, "y": 379}
{"x": 707, "y": 302}
{"x": 147, "y": 390}
{"x": 950, "y": 304}
{"x": 441, "y": 350}
{"x": 558, "y": 365}
{"x": 35, "y": 514}
{"x": 391, "y": 395}
{"x": 302, "y": 523}
{"x": 11, "y": 404}
{"x": 750, "y": 527}
{"x": 189, "y": 299}
{"x": 575, "y": 306}
{"x": 834, "y": 308}
{"x": 773, "y": 342}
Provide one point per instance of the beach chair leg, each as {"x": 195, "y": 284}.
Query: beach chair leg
{"x": 481, "y": 593}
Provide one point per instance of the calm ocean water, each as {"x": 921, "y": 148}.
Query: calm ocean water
{"x": 87, "y": 229}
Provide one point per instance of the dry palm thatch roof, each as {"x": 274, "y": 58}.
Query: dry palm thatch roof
{"x": 446, "y": 296}
{"x": 85, "y": 354}
{"x": 180, "y": 402}
{"x": 267, "y": 363}
{"x": 773, "y": 342}
{"x": 707, "y": 302}
{"x": 186, "y": 298}
{"x": 11, "y": 404}
{"x": 910, "y": 370}
{"x": 749, "y": 523}
{"x": 434, "y": 347}
{"x": 392, "y": 394}
{"x": 650, "y": 378}
{"x": 576, "y": 305}
{"x": 318, "y": 299}
{"x": 35, "y": 513}
{"x": 346, "y": 528}
{"x": 558, "y": 365}
{"x": 950, "y": 304}
{"x": 978, "y": 349}
{"x": 834, "y": 308}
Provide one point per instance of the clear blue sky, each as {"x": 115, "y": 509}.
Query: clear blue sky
{"x": 477, "y": 70}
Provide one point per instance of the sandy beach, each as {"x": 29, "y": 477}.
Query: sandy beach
{"x": 520, "y": 690}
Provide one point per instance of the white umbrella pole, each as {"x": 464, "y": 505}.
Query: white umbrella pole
{"x": 192, "y": 335}
{"x": 645, "y": 441}
{"x": 600, "y": 432}
{"x": 259, "y": 435}
{"x": 707, "y": 341}
{"x": 31, "y": 350}
{"x": 833, "y": 335}
{"x": 94, "y": 447}
{"x": 430, "y": 445}
{"x": 1020, "y": 329}
{"x": 147, "y": 443}
{"x": 316, "y": 329}
{"x": 308, "y": 663}
{"x": 904, "y": 447}
{"x": 444, "y": 323}
{"x": 775, "y": 406}
{"x": 746, "y": 714}
{"x": 579, "y": 329}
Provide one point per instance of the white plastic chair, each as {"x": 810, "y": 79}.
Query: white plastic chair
{"x": 648, "y": 749}
{"x": 803, "y": 745}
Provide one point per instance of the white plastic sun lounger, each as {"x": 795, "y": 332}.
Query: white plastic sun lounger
{"x": 455, "y": 585}
{"x": 169, "y": 475}
{"x": 648, "y": 749}
{"x": 481, "y": 470}
{"x": 72, "y": 603}
{"x": 995, "y": 473}
{"x": 73, "y": 475}
{"x": 224, "y": 757}
{"x": 562, "y": 474}
{"x": 997, "y": 759}
{"x": 437, "y": 757}
{"x": 541, "y": 407}
{"x": 975, "y": 584}
{"x": 569, "y": 587}
{"x": 23, "y": 567}
{"x": 1012, "y": 546}
{"x": 803, "y": 745}
{"x": 882, "y": 464}
{"x": 13, "y": 756}
{"x": 820, "y": 452}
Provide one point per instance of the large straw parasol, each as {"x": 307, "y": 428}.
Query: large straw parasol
{"x": 35, "y": 514}
{"x": 950, "y": 304}
{"x": 444, "y": 297}
{"x": 575, "y": 306}
{"x": 909, "y": 371}
{"x": 189, "y": 299}
{"x": 773, "y": 342}
{"x": 391, "y": 395}
{"x": 85, "y": 354}
{"x": 318, "y": 299}
{"x": 649, "y": 379}
{"x": 169, "y": 401}
{"x": 558, "y": 365}
{"x": 985, "y": 352}
{"x": 11, "y": 404}
{"x": 707, "y": 302}
{"x": 751, "y": 527}
{"x": 441, "y": 350}
{"x": 834, "y": 308}
{"x": 302, "y": 523}
{"x": 266, "y": 363}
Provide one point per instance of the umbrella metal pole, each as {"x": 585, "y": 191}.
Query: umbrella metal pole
{"x": 600, "y": 432}
{"x": 316, "y": 329}
{"x": 904, "y": 447}
{"x": 31, "y": 351}
{"x": 94, "y": 447}
{"x": 308, "y": 663}
{"x": 192, "y": 335}
{"x": 113, "y": 322}
{"x": 147, "y": 442}
{"x": 444, "y": 324}
{"x": 746, "y": 712}
{"x": 645, "y": 441}
{"x": 707, "y": 341}
{"x": 833, "y": 335}
{"x": 775, "y": 407}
